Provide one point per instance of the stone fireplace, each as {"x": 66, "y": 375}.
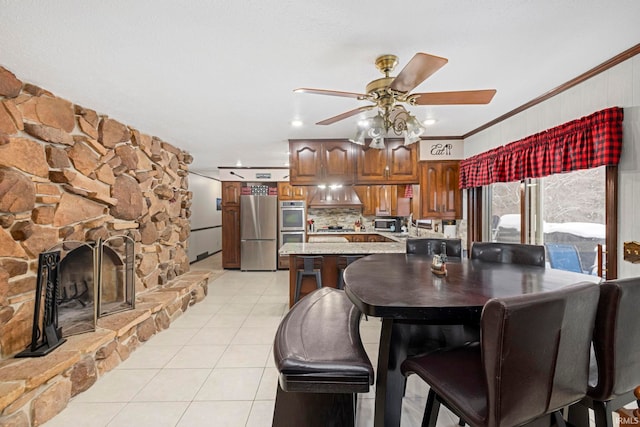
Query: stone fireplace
{"x": 69, "y": 174}
{"x": 70, "y": 177}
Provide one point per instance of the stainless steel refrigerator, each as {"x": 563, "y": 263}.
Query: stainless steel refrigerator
{"x": 258, "y": 232}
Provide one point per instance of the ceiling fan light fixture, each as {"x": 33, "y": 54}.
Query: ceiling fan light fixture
{"x": 376, "y": 126}
{"x": 359, "y": 138}
{"x": 414, "y": 127}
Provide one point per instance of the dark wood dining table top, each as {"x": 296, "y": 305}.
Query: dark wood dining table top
{"x": 402, "y": 286}
{"x": 402, "y": 290}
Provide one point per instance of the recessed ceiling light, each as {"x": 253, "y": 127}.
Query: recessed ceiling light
{"x": 429, "y": 122}
{"x": 238, "y": 163}
{"x": 286, "y": 164}
{"x": 296, "y": 123}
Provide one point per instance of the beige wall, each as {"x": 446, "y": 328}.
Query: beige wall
{"x": 618, "y": 86}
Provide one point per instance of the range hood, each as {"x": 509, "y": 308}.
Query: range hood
{"x": 341, "y": 197}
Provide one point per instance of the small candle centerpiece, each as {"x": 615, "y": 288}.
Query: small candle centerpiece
{"x": 438, "y": 265}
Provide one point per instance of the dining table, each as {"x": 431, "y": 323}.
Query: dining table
{"x": 422, "y": 311}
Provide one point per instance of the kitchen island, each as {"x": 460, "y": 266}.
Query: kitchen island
{"x": 332, "y": 261}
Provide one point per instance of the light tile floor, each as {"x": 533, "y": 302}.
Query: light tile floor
{"x": 214, "y": 365}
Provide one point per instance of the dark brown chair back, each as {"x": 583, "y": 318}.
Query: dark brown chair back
{"x": 508, "y": 253}
{"x": 616, "y": 340}
{"x": 431, "y": 246}
{"x": 535, "y": 351}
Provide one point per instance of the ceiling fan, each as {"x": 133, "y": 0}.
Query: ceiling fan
{"x": 386, "y": 92}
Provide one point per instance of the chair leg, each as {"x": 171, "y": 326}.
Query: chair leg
{"x": 603, "y": 414}
{"x": 578, "y": 415}
{"x": 558, "y": 420}
{"x": 431, "y": 410}
{"x": 318, "y": 279}
{"x": 296, "y": 295}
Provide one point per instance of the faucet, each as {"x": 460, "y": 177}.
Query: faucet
{"x": 412, "y": 226}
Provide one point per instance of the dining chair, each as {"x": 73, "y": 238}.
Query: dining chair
{"x": 564, "y": 257}
{"x": 431, "y": 246}
{"x": 532, "y": 360}
{"x": 615, "y": 369}
{"x": 508, "y": 253}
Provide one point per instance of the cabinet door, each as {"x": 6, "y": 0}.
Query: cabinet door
{"x": 429, "y": 186}
{"x": 371, "y": 164}
{"x": 231, "y": 193}
{"x": 360, "y": 238}
{"x": 285, "y": 191}
{"x": 402, "y": 162}
{"x": 387, "y": 199}
{"x": 439, "y": 193}
{"x": 306, "y": 162}
{"x": 450, "y": 194}
{"x": 299, "y": 192}
{"x": 366, "y": 195}
{"x": 231, "y": 237}
{"x": 337, "y": 162}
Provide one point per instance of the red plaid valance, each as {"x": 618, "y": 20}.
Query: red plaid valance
{"x": 589, "y": 142}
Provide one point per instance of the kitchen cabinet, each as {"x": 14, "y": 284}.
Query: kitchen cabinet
{"x": 286, "y": 191}
{"x": 321, "y": 162}
{"x": 396, "y": 164}
{"x": 439, "y": 193}
{"x": 378, "y": 199}
{"x": 231, "y": 193}
{"x": 231, "y": 237}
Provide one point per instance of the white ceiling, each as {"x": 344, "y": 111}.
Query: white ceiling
{"x": 216, "y": 78}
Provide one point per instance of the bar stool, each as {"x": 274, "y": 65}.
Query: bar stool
{"x": 348, "y": 259}
{"x": 308, "y": 270}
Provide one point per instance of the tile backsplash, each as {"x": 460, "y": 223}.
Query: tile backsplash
{"x": 346, "y": 217}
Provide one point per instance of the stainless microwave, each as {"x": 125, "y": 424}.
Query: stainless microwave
{"x": 387, "y": 224}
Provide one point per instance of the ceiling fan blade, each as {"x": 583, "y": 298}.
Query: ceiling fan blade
{"x": 416, "y": 71}
{"x": 330, "y": 92}
{"x": 345, "y": 115}
{"x": 453, "y": 98}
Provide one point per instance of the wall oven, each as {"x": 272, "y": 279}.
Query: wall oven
{"x": 292, "y": 215}
{"x": 292, "y": 224}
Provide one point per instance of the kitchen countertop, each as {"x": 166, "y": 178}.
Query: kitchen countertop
{"x": 355, "y": 248}
{"x": 396, "y": 237}
{"x": 327, "y": 239}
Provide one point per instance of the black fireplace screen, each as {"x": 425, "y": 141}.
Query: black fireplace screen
{"x": 89, "y": 281}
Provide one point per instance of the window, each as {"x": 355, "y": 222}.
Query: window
{"x": 565, "y": 212}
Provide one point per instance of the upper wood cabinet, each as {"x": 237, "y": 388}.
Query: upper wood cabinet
{"x": 286, "y": 191}
{"x": 378, "y": 199}
{"x": 231, "y": 193}
{"x": 439, "y": 193}
{"x": 326, "y": 161}
{"x": 397, "y": 163}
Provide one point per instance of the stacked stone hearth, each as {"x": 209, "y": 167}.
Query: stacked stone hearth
{"x": 69, "y": 173}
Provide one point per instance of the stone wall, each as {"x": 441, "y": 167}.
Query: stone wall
{"x": 69, "y": 173}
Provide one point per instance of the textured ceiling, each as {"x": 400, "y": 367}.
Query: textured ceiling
{"x": 216, "y": 77}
